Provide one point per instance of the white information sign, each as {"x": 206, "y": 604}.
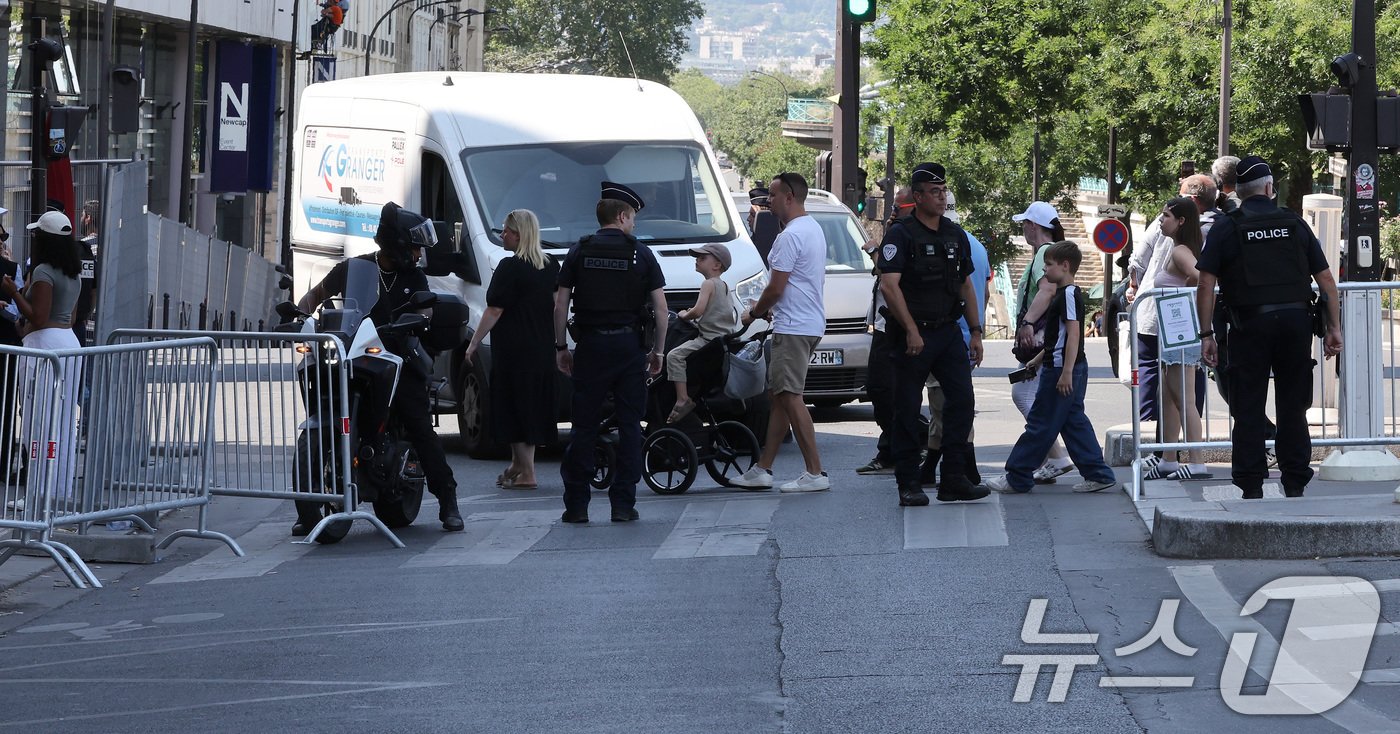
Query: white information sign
{"x": 1177, "y": 323}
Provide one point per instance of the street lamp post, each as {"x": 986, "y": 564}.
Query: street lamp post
{"x": 1222, "y": 144}
{"x": 454, "y": 16}
{"x": 369, "y": 44}
{"x": 786, "y": 95}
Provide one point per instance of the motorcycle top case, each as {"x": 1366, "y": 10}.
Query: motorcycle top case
{"x": 448, "y": 329}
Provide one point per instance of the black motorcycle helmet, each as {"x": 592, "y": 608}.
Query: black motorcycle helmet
{"x": 400, "y": 232}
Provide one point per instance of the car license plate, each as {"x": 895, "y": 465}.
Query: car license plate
{"x": 827, "y": 358}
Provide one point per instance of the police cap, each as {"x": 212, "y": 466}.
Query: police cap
{"x": 1252, "y": 168}
{"x": 623, "y": 194}
{"x": 758, "y": 196}
{"x": 928, "y": 173}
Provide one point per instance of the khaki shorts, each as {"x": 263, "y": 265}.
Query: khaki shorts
{"x": 787, "y": 364}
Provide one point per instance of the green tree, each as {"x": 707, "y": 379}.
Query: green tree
{"x": 745, "y": 121}
{"x": 974, "y": 82}
{"x": 588, "y": 36}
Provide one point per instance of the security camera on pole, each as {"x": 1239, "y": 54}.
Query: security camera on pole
{"x": 1354, "y": 120}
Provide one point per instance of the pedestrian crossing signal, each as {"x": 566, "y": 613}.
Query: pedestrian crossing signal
{"x": 859, "y": 11}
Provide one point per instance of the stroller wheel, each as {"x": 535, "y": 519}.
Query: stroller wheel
{"x": 669, "y": 463}
{"x": 604, "y": 462}
{"x": 733, "y": 451}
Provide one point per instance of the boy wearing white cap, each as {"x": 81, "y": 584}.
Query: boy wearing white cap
{"x": 713, "y": 313}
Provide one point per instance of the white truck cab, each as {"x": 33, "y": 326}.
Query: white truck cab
{"x": 465, "y": 149}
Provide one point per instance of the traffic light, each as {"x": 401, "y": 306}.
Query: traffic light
{"x": 858, "y": 11}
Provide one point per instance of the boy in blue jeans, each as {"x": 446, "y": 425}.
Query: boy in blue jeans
{"x": 1059, "y": 403}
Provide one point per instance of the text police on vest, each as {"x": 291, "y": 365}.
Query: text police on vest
{"x": 1268, "y": 234}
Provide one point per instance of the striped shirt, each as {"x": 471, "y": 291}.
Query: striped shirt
{"x": 1067, "y": 311}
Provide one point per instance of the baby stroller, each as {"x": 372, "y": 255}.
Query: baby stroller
{"x": 672, "y": 453}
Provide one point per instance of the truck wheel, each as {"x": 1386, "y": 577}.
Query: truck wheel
{"x": 474, "y": 415}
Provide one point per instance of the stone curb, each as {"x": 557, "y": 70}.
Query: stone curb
{"x": 1233, "y": 530}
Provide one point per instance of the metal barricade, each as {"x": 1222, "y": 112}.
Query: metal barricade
{"x": 1217, "y": 425}
{"x": 281, "y": 421}
{"x": 103, "y": 433}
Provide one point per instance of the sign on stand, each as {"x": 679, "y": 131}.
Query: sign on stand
{"x": 1111, "y": 235}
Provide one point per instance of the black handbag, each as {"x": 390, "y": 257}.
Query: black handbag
{"x": 1025, "y": 354}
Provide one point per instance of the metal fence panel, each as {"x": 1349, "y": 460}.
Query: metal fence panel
{"x": 137, "y": 440}
{"x": 267, "y": 440}
{"x": 1324, "y": 418}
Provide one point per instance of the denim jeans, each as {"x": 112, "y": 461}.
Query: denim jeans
{"x": 1055, "y": 414}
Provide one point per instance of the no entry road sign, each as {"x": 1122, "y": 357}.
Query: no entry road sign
{"x": 1110, "y": 235}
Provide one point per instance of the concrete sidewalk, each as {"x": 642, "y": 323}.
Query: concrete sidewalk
{"x": 1207, "y": 519}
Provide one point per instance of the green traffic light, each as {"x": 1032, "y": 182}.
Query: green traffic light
{"x": 860, "y": 11}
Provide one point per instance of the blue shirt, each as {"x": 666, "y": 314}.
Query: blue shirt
{"x": 981, "y": 271}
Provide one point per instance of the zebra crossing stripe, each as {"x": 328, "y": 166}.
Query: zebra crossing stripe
{"x": 710, "y": 529}
{"x": 266, "y": 546}
{"x": 956, "y": 525}
{"x": 490, "y": 539}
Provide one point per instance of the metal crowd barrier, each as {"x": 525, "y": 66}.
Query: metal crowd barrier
{"x": 1216, "y": 424}
{"x": 265, "y": 442}
{"x": 103, "y": 434}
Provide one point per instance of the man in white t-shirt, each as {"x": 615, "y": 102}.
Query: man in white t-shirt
{"x": 793, "y": 303}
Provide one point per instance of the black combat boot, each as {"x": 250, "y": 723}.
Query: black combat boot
{"x": 928, "y": 471}
{"x": 956, "y": 488}
{"x": 448, "y": 513}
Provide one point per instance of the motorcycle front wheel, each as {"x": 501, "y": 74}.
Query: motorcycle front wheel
{"x": 317, "y": 472}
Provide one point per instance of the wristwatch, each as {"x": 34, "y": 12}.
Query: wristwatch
{"x": 977, "y": 328}
{"x": 561, "y": 347}
{"x": 1209, "y": 333}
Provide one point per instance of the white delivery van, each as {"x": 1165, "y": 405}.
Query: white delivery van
{"x": 465, "y": 149}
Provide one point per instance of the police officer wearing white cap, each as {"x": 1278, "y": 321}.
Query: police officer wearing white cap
{"x": 925, "y": 261}
{"x": 610, "y": 278}
{"x": 1265, "y": 259}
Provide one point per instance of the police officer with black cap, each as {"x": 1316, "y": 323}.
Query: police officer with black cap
{"x": 402, "y": 235}
{"x": 925, "y": 260}
{"x": 1265, "y": 259}
{"x": 610, "y": 277}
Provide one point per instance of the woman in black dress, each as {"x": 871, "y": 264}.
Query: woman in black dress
{"x": 520, "y": 310}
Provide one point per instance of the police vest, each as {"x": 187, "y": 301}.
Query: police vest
{"x": 1272, "y": 266}
{"x": 609, "y": 281}
{"x": 932, "y": 280}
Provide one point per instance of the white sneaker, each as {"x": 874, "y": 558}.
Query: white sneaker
{"x": 807, "y": 483}
{"x": 1048, "y": 473}
{"x": 1092, "y": 486}
{"x": 755, "y": 478}
{"x": 1000, "y": 484}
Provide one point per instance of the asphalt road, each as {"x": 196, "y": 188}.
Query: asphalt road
{"x": 720, "y": 611}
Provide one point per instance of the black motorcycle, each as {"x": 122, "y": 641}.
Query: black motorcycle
{"x": 383, "y": 469}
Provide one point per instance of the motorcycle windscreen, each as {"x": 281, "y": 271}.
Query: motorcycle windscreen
{"x": 361, "y": 285}
{"x": 360, "y": 295}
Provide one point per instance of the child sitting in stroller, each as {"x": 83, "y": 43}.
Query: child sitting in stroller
{"x": 714, "y": 315}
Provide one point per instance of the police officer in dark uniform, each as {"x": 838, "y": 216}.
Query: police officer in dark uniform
{"x": 610, "y": 277}
{"x": 1265, "y": 259}
{"x": 925, "y": 260}
{"x": 401, "y": 237}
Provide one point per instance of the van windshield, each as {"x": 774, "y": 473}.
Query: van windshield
{"x": 559, "y": 183}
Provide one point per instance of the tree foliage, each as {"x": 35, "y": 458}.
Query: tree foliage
{"x": 587, "y": 36}
{"x": 745, "y": 121}
{"x": 975, "y": 81}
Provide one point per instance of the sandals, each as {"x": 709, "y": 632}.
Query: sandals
{"x": 1185, "y": 473}
{"x": 1157, "y": 472}
{"x": 680, "y": 411}
{"x": 505, "y": 477}
{"x": 510, "y": 483}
